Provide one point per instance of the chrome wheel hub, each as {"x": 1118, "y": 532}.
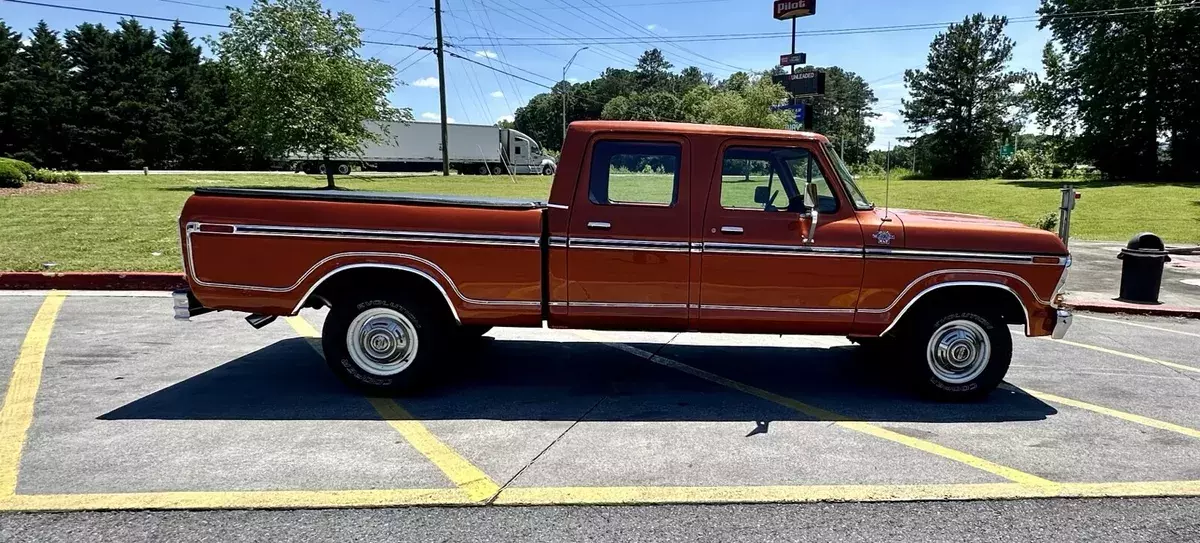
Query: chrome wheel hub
{"x": 959, "y": 351}
{"x": 382, "y": 341}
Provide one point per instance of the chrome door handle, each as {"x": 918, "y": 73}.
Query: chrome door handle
{"x": 597, "y": 225}
{"x": 735, "y": 230}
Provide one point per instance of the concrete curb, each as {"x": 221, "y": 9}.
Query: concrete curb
{"x": 1133, "y": 309}
{"x": 91, "y": 281}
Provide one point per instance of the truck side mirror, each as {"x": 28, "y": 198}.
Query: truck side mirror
{"x": 762, "y": 195}
{"x": 811, "y": 198}
{"x": 811, "y": 201}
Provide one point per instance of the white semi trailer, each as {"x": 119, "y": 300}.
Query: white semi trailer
{"x": 417, "y": 146}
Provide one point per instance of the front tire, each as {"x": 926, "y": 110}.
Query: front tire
{"x": 382, "y": 343}
{"x": 960, "y": 356}
{"x": 547, "y": 170}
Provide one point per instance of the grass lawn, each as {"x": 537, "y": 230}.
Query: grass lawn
{"x": 127, "y": 222}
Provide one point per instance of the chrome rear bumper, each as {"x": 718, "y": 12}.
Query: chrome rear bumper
{"x": 1062, "y": 323}
{"x": 186, "y": 305}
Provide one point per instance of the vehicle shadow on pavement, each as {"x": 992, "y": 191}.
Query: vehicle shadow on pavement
{"x": 552, "y": 381}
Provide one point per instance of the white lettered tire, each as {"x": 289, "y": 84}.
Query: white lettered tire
{"x": 962, "y": 356}
{"x": 382, "y": 343}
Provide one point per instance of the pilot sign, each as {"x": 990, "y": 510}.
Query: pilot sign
{"x": 791, "y": 9}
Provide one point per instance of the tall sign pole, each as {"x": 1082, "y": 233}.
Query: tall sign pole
{"x": 437, "y": 17}
{"x": 798, "y": 85}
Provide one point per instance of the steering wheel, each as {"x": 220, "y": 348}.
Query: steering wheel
{"x": 770, "y": 205}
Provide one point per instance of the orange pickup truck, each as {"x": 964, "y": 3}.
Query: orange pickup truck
{"x": 649, "y": 226}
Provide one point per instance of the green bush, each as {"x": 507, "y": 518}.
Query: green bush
{"x": 10, "y": 176}
{"x": 43, "y": 175}
{"x": 25, "y": 168}
{"x": 1048, "y": 222}
{"x": 1026, "y": 164}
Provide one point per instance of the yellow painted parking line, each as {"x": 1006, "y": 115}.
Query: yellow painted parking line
{"x": 469, "y": 478}
{"x": 837, "y": 493}
{"x": 1130, "y": 356}
{"x": 821, "y": 414}
{"x": 265, "y": 499}
{"x": 1139, "y": 419}
{"x": 1137, "y": 324}
{"x": 17, "y": 414}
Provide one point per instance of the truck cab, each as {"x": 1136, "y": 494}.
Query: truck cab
{"x": 524, "y": 154}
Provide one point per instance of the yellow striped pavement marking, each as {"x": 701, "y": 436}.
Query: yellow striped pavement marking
{"x": 1139, "y": 419}
{"x": 263, "y": 499}
{"x": 837, "y": 493}
{"x": 469, "y": 478}
{"x": 822, "y": 414}
{"x": 17, "y": 414}
{"x": 1130, "y": 356}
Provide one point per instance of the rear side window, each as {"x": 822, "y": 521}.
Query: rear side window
{"x": 626, "y": 172}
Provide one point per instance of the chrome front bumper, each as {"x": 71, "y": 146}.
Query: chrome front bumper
{"x": 1062, "y": 323}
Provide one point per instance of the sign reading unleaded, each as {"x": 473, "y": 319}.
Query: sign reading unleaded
{"x": 790, "y": 9}
{"x": 803, "y": 84}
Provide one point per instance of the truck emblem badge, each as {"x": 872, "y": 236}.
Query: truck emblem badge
{"x": 884, "y": 237}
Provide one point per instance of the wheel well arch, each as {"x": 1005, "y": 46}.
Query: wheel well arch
{"x": 997, "y": 297}
{"x": 349, "y": 278}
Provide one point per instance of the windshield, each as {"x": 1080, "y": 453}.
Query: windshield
{"x": 856, "y": 194}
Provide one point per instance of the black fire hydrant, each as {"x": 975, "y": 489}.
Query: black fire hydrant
{"x": 1142, "y": 262}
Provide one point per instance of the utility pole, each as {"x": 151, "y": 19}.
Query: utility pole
{"x": 567, "y": 92}
{"x": 437, "y": 17}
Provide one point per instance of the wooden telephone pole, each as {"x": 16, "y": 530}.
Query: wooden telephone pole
{"x": 441, "y": 59}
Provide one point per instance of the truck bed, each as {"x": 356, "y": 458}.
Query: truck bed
{"x": 321, "y": 195}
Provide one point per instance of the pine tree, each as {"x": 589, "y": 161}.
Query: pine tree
{"x": 93, "y": 140}
{"x": 181, "y": 63}
{"x": 963, "y": 95}
{"x": 10, "y": 43}
{"x": 141, "y": 96}
{"x": 41, "y": 83}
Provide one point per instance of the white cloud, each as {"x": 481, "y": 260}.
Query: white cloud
{"x": 652, "y": 27}
{"x": 426, "y": 82}
{"x": 896, "y": 85}
{"x": 886, "y": 119}
{"x": 431, "y": 116}
{"x": 486, "y": 54}
{"x": 498, "y": 94}
{"x": 572, "y": 80}
{"x": 507, "y": 119}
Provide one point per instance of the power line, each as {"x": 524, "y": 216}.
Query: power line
{"x": 227, "y": 8}
{"x": 652, "y": 35}
{"x": 637, "y": 5}
{"x": 460, "y": 57}
{"x": 168, "y": 20}
{"x": 523, "y": 41}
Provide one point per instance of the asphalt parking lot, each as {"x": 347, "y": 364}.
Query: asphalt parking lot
{"x": 112, "y": 405}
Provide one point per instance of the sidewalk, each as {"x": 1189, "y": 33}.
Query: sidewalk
{"x": 1095, "y": 282}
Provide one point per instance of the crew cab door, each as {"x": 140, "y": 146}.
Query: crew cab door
{"x": 627, "y": 249}
{"x": 758, "y": 272}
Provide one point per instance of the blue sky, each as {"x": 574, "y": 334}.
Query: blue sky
{"x": 478, "y": 95}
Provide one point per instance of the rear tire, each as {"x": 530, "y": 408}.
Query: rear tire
{"x": 343, "y": 169}
{"x": 497, "y": 170}
{"x": 383, "y": 343}
{"x": 484, "y": 170}
{"x": 962, "y": 356}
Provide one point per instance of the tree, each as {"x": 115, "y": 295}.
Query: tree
{"x": 644, "y": 106}
{"x": 181, "y": 65}
{"x": 843, "y": 111}
{"x": 91, "y": 131}
{"x": 749, "y": 106}
{"x": 139, "y": 95}
{"x": 1134, "y": 82}
{"x": 300, "y": 83}
{"x": 10, "y": 43}
{"x": 42, "y": 101}
{"x": 963, "y": 96}
{"x": 653, "y": 71}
